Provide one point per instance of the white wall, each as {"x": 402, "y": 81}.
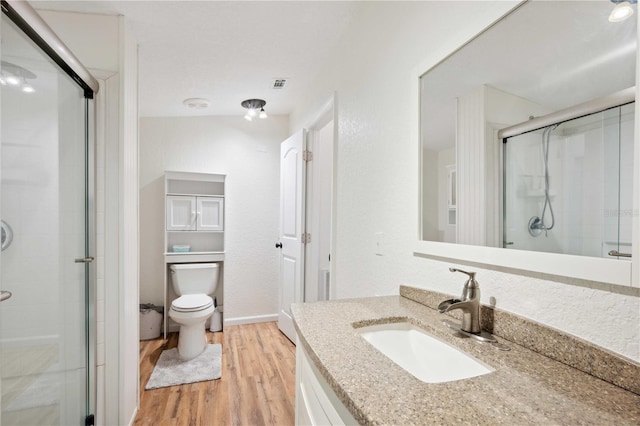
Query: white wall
{"x": 373, "y": 71}
{"x": 249, "y": 154}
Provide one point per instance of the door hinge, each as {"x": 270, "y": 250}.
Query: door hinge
{"x": 89, "y": 420}
{"x": 307, "y": 155}
{"x": 306, "y": 238}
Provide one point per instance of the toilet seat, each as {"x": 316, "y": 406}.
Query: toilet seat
{"x": 192, "y": 303}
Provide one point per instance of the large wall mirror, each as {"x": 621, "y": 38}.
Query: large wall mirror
{"x": 527, "y": 144}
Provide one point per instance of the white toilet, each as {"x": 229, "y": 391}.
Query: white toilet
{"x": 193, "y": 283}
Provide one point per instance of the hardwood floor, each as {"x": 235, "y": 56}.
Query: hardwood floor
{"x": 257, "y": 385}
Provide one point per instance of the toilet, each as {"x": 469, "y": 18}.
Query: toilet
{"x": 193, "y": 283}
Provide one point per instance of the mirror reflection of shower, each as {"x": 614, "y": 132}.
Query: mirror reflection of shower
{"x": 571, "y": 180}
{"x": 537, "y": 224}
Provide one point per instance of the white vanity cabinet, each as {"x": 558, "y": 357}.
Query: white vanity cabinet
{"x": 195, "y": 213}
{"x": 316, "y": 402}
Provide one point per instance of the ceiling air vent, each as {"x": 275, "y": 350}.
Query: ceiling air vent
{"x": 279, "y": 83}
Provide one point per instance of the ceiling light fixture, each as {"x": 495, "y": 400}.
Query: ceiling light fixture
{"x": 622, "y": 10}
{"x": 196, "y": 103}
{"x": 15, "y": 75}
{"x": 255, "y": 107}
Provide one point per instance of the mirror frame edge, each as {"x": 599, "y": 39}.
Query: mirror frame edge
{"x": 610, "y": 271}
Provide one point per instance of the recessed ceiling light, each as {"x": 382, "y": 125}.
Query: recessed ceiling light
{"x": 196, "y": 103}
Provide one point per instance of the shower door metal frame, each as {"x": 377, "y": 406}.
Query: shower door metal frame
{"x": 89, "y": 252}
{"x": 616, "y": 99}
{"x": 28, "y": 20}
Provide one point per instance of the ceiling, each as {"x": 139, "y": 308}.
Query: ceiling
{"x": 225, "y": 51}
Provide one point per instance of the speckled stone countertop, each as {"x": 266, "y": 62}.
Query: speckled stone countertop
{"x": 525, "y": 388}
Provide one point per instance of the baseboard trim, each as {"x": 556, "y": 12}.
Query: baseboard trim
{"x": 173, "y": 327}
{"x": 250, "y": 320}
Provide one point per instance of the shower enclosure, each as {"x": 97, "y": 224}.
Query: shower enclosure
{"x": 47, "y": 323}
{"x": 568, "y": 186}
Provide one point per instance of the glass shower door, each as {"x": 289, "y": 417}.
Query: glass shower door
{"x": 45, "y": 361}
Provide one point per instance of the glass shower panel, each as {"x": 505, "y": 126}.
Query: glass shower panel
{"x": 568, "y": 187}
{"x": 43, "y": 325}
{"x": 618, "y": 213}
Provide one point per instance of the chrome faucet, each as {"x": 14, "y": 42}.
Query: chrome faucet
{"x": 469, "y": 304}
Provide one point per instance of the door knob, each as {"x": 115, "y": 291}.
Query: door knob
{"x": 4, "y": 295}
{"x": 279, "y": 245}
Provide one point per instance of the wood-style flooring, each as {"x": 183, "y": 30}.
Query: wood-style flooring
{"x": 257, "y": 385}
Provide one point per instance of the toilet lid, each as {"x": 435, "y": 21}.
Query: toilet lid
{"x": 192, "y": 302}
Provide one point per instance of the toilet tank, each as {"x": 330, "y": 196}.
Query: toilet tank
{"x": 194, "y": 278}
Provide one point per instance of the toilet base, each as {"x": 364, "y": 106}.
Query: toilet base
{"x": 192, "y": 337}
{"x": 192, "y": 340}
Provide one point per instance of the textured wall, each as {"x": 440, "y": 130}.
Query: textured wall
{"x": 373, "y": 73}
{"x": 249, "y": 154}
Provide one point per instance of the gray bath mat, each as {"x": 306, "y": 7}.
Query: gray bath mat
{"x": 170, "y": 370}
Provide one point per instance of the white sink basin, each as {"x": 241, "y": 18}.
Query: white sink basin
{"x": 424, "y": 356}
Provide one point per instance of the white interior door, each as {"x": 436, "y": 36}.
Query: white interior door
{"x": 319, "y": 196}
{"x": 292, "y": 203}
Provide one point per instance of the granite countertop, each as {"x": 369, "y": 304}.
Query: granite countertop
{"x": 525, "y": 388}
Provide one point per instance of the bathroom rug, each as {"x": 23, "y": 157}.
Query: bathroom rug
{"x": 170, "y": 370}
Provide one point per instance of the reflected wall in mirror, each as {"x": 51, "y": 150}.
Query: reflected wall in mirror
{"x": 541, "y": 58}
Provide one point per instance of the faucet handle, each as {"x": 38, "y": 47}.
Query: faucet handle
{"x": 472, "y": 275}
{"x": 470, "y": 286}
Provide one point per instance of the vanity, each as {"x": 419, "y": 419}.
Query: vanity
{"x": 539, "y": 373}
